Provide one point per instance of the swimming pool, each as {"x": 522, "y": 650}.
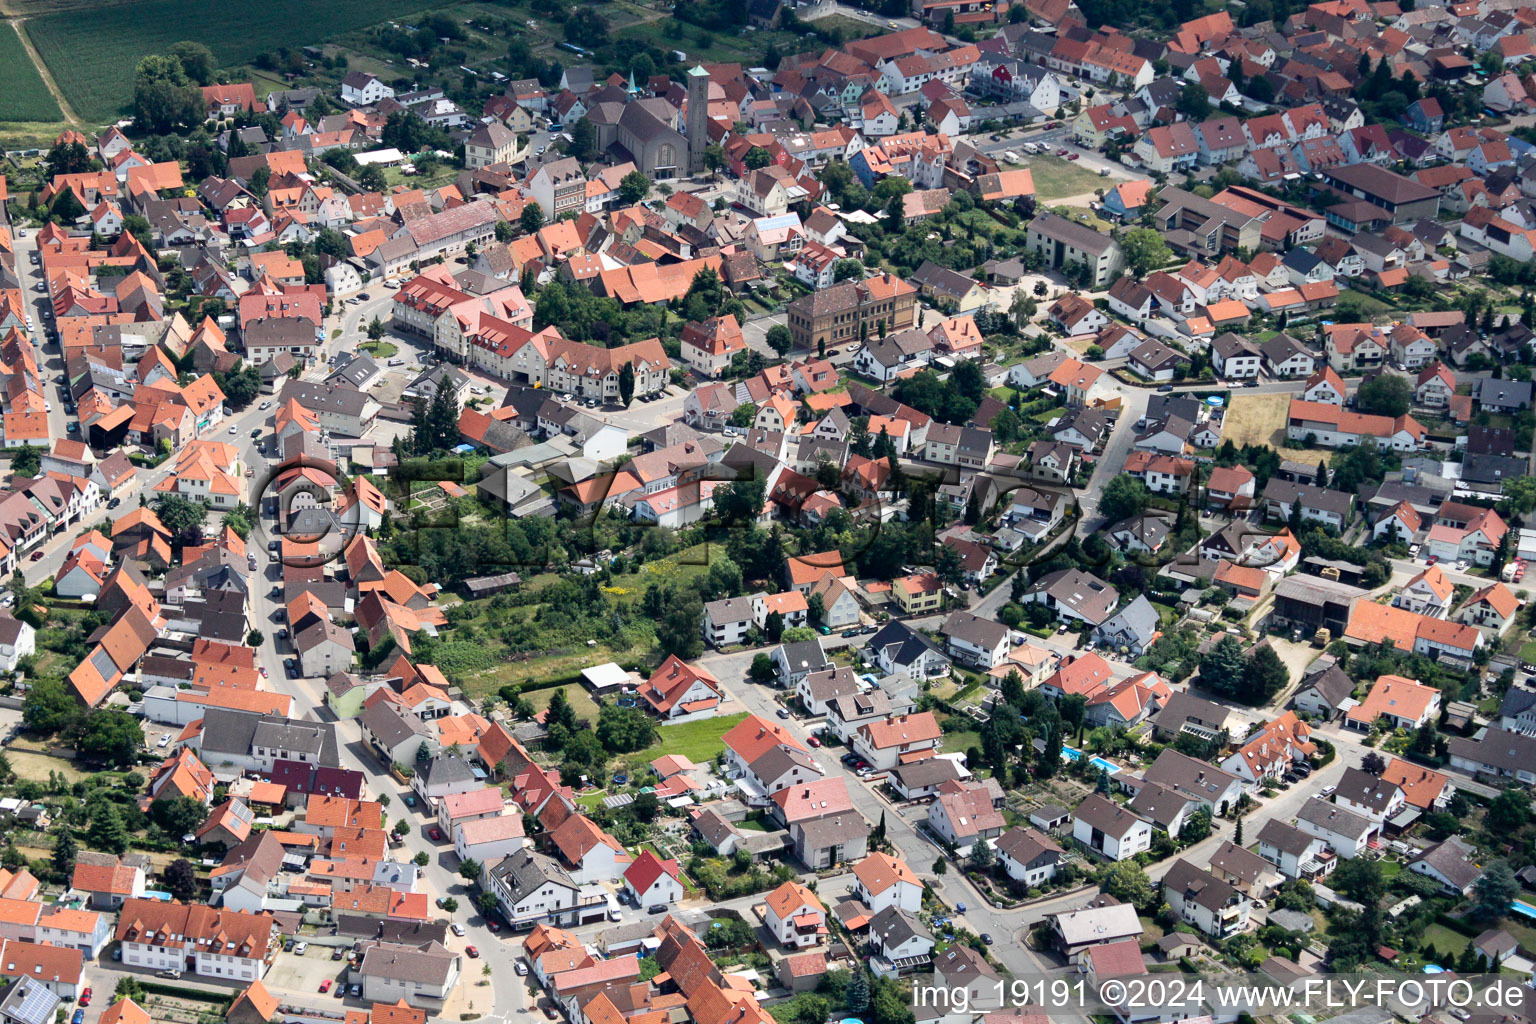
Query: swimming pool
{"x": 1074, "y": 755}
{"x": 1522, "y": 907}
{"x": 1433, "y": 969}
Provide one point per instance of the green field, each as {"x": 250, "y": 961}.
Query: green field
{"x": 92, "y": 56}
{"x": 23, "y": 96}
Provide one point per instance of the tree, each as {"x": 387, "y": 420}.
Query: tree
{"x": 762, "y": 670}
{"x": 624, "y": 730}
{"x": 1264, "y": 675}
{"x": 1196, "y": 827}
{"x": 1373, "y": 764}
{"x": 1145, "y": 250}
{"x": 197, "y": 61}
{"x": 375, "y": 329}
{"x": 626, "y": 384}
{"x": 981, "y": 857}
{"x": 450, "y": 904}
{"x": 1123, "y": 497}
{"x": 1385, "y": 395}
{"x": 532, "y": 218}
{"x": 49, "y": 707}
{"x": 1360, "y": 880}
{"x": 678, "y": 630}
{"x": 182, "y": 516}
{"x": 487, "y": 903}
{"x": 180, "y": 878}
{"x": 64, "y": 850}
{"x": 1494, "y": 891}
{"x": 846, "y": 270}
{"x": 779, "y": 339}
{"x": 1194, "y": 102}
{"x": 27, "y": 462}
{"x": 1128, "y": 883}
{"x": 1222, "y": 667}
{"x": 177, "y": 815}
{"x": 469, "y": 869}
{"x": 164, "y": 100}
{"x": 756, "y": 158}
{"x": 856, "y": 995}
{"x": 113, "y": 737}
{"x": 255, "y": 638}
{"x": 421, "y": 859}
{"x": 1508, "y": 812}
{"x": 107, "y": 831}
{"x": 70, "y": 158}
{"x": 634, "y": 187}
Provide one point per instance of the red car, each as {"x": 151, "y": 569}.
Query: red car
{"x": 1071, "y": 156}
{"x": 436, "y": 834}
{"x": 325, "y": 986}
{"x": 493, "y": 924}
{"x": 37, "y": 556}
{"x": 813, "y": 741}
{"x": 472, "y": 952}
{"x": 85, "y": 996}
{"x": 1061, "y": 152}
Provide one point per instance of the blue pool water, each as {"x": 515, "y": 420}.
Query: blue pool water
{"x": 1103, "y": 765}
{"x": 1433, "y": 969}
{"x": 1070, "y": 753}
{"x": 1522, "y": 907}
{"x": 1073, "y": 754}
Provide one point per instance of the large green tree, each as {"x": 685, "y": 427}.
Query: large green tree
{"x": 1145, "y": 251}
{"x": 164, "y": 98}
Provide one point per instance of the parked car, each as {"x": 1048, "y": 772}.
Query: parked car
{"x": 436, "y": 834}
{"x": 457, "y": 929}
{"x": 85, "y": 996}
{"x": 300, "y": 948}
{"x": 410, "y": 799}
{"x": 356, "y": 990}
{"x": 472, "y": 952}
{"x": 325, "y": 986}
{"x": 814, "y": 741}
{"x": 782, "y": 712}
{"x": 338, "y": 953}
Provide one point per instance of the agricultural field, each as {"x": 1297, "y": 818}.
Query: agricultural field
{"x": 23, "y": 96}
{"x": 93, "y": 58}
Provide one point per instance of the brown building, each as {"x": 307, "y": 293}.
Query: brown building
{"x": 852, "y": 311}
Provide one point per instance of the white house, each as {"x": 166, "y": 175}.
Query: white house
{"x": 653, "y": 882}
{"x": 1109, "y": 829}
{"x": 795, "y": 916}
{"x": 883, "y": 881}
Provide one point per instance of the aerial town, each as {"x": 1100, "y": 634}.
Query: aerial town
{"x": 979, "y": 491}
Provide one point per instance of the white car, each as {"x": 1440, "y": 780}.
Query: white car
{"x": 234, "y": 430}
{"x": 165, "y": 741}
{"x": 300, "y": 948}
{"x": 458, "y": 929}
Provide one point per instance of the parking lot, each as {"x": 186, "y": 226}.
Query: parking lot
{"x": 303, "y": 975}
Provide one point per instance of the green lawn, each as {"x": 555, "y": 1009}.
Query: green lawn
{"x": 379, "y": 349}
{"x": 698, "y": 741}
{"x": 581, "y": 702}
{"x": 1528, "y": 652}
{"x": 1447, "y": 943}
{"x": 1056, "y": 178}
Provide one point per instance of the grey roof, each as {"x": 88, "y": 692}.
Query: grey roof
{"x": 1324, "y": 499}
{"x": 445, "y": 770}
{"x": 357, "y": 371}
{"x": 1138, "y": 618}
{"x": 1285, "y": 837}
{"x": 1455, "y": 860}
{"x": 1282, "y": 347}
{"x": 1151, "y": 530}
{"x": 1082, "y": 592}
{"x": 1517, "y": 701}
{"x": 431, "y": 963}
{"x": 1333, "y": 818}
{"x": 930, "y": 771}
{"x": 1491, "y": 469}
{"x": 1235, "y": 860}
{"x": 805, "y": 655}
{"x": 1503, "y": 393}
{"x": 29, "y": 1002}
{"x": 1107, "y": 816}
{"x": 829, "y": 683}
{"x": 236, "y": 732}
{"x": 390, "y": 727}
{"x": 778, "y": 760}
{"x": 1199, "y": 885}
{"x": 975, "y": 630}
{"x": 322, "y": 632}
{"x": 894, "y": 926}
{"x": 1024, "y": 845}
{"x": 1365, "y": 789}
{"x": 1332, "y": 685}
{"x": 1077, "y": 235}
{"x": 524, "y": 872}
{"x": 833, "y": 830}
{"x": 729, "y": 609}
{"x": 1184, "y": 707}
{"x": 1196, "y": 778}
{"x": 341, "y": 399}
{"x": 1504, "y": 752}
{"x": 1160, "y": 804}
{"x": 909, "y": 645}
